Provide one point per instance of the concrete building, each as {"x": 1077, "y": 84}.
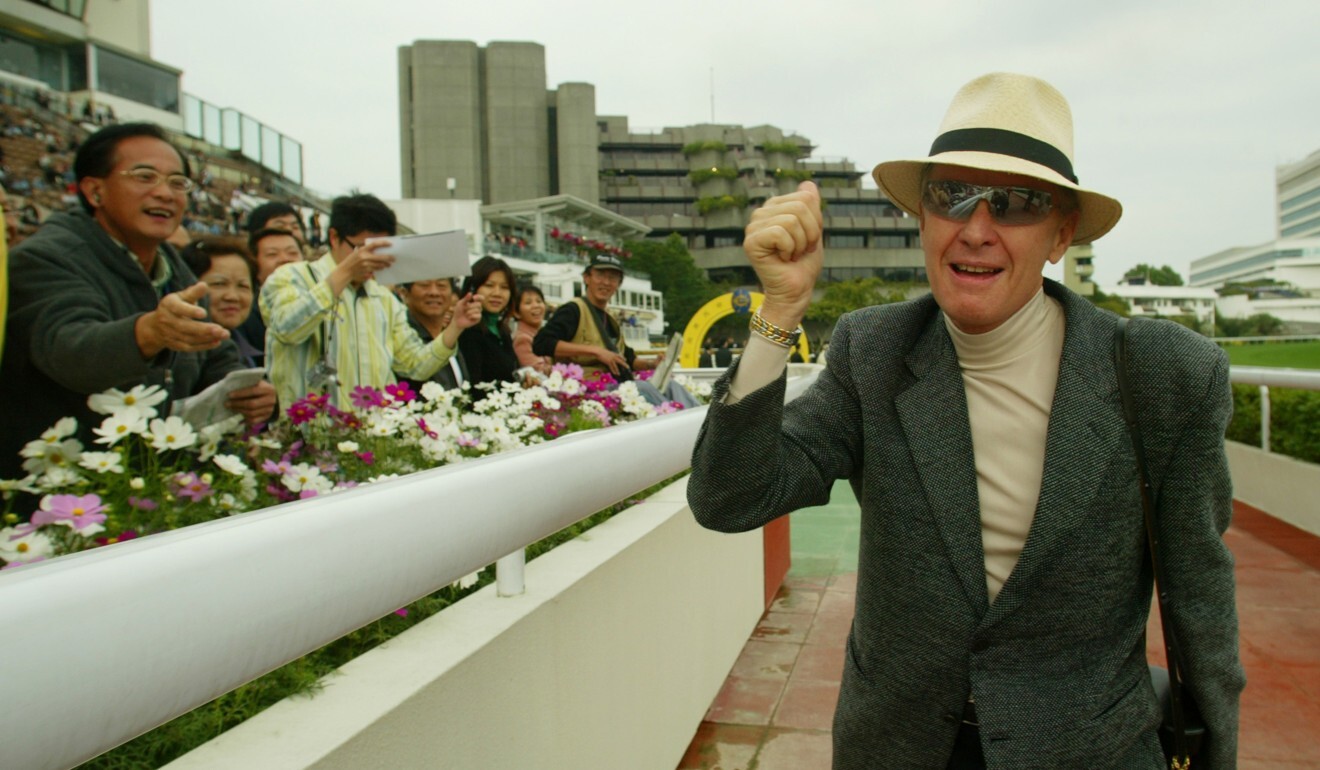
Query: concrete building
{"x": 1298, "y": 197}
{"x": 1168, "y": 301}
{"x": 1293, "y": 261}
{"x": 481, "y": 123}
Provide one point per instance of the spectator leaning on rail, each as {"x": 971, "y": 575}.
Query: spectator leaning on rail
{"x": 98, "y": 300}
{"x": 331, "y": 327}
{"x": 583, "y": 332}
{"x": 1003, "y": 554}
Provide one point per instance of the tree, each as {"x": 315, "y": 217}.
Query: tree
{"x": 1110, "y": 302}
{"x": 1258, "y": 325}
{"x": 844, "y": 296}
{"x": 1156, "y": 276}
{"x": 674, "y": 274}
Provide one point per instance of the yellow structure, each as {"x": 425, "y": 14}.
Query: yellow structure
{"x": 740, "y": 301}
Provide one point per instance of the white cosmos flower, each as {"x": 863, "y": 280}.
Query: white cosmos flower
{"x": 42, "y": 456}
{"x": 25, "y": 548}
{"x": 172, "y": 433}
{"x": 137, "y": 482}
{"x": 142, "y": 398}
{"x": 62, "y": 429}
{"x": 26, "y": 484}
{"x": 56, "y": 478}
{"x": 304, "y": 476}
{"x": 230, "y": 464}
{"x": 570, "y": 387}
{"x": 103, "y": 462}
{"x": 120, "y": 425}
{"x": 351, "y": 446}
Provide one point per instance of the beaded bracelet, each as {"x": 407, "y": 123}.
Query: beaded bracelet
{"x": 776, "y": 334}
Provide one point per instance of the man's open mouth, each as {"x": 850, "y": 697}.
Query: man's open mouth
{"x": 976, "y": 269}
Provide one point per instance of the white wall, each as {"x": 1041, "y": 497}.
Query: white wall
{"x": 425, "y": 215}
{"x": 610, "y": 660}
{"x": 1285, "y": 488}
{"x": 123, "y": 23}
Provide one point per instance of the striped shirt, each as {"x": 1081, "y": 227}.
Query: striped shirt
{"x": 369, "y": 336}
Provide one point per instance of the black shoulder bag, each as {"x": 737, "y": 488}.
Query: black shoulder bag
{"x": 1182, "y": 728}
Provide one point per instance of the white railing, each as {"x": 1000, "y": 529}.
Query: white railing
{"x": 1267, "y": 377}
{"x": 101, "y": 646}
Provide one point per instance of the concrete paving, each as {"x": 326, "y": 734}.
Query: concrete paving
{"x": 775, "y": 709}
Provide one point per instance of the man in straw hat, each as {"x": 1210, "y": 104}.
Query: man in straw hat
{"x": 1003, "y": 581}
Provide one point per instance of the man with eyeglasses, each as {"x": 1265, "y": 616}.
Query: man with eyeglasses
{"x": 330, "y": 327}
{"x": 1003, "y": 579}
{"x": 99, "y": 299}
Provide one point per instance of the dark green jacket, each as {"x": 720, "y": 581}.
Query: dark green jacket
{"x": 1057, "y": 664}
{"x": 74, "y": 296}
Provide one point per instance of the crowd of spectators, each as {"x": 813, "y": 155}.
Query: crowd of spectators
{"x": 114, "y": 293}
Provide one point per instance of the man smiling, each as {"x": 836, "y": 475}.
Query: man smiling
{"x": 1003, "y": 581}
{"x": 99, "y": 300}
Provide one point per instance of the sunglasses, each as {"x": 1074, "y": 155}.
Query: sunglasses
{"x": 957, "y": 201}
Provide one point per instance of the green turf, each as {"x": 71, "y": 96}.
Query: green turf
{"x": 1294, "y": 355}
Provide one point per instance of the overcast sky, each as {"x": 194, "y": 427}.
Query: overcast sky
{"x": 1182, "y": 109}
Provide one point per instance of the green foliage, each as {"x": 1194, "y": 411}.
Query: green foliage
{"x": 713, "y": 145}
{"x": 797, "y": 175}
{"x": 1294, "y": 420}
{"x": 712, "y": 204}
{"x": 844, "y": 296}
{"x": 1159, "y": 276}
{"x": 1258, "y": 325}
{"x": 1293, "y": 355}
{"x": 1248, "y": 287}
{"x": 1110, "y": 302}
{"x": 787, "y": 148}
{"x": 303, "y": 676}
{"x": 706, "y": 174}
{"x": 675, "y": 274}
{"x": 1188, "y": 320}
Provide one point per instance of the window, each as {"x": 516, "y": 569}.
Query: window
{"x": 32, "y": 60}
{"x": 137, "y": 80}
{"x": 879, "y": 241}
{"x": 845, "y": 241}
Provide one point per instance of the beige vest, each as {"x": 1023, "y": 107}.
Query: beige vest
{"x": 588, "y": 333}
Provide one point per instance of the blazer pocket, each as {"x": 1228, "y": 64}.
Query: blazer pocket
{"x": 1131, "y": 692}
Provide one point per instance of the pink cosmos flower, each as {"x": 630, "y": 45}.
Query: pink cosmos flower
{"x": 191, "y": 486}
{"x": 668, "y": 407}
{"x": 14, "y": 564}
{"x": 142, "y": 503}
{"x": 401, "y": 392}
{"x": 572, "y": 371}
{"x": 365, "y": 397}
{"x": 79, "y": 511}
{"x": 367, "y": 458}
{"x": 276, "y": 469}
{"x": 644, "y": 374}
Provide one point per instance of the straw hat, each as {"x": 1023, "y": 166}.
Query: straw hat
{"x": 1011, "y": 123}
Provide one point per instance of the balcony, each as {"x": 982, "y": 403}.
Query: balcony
{"x": 611, "y": 651}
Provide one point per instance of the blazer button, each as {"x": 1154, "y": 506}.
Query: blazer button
{"x": 980, "y": 645}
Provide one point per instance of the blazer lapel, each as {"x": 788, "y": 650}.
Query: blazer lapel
{"x": 933, "y": 415}
{"x": 1084, "y": 437}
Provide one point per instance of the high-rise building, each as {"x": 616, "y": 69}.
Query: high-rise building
{"x": 480, "y": 123}
{"x": 1298, "y": 198}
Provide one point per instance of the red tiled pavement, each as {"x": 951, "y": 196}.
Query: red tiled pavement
{"x": 775, "y": 709}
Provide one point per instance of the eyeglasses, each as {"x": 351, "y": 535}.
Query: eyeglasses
{"x": 150, "y": 177}
{"x": 957, "y": 201}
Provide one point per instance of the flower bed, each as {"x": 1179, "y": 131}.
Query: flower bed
{"x": 159, "y": 473}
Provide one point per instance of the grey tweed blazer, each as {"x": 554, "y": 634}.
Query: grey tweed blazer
{"x": 1057, "y": 663}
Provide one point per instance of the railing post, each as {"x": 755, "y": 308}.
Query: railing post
{"x": 509, "y": 573}
{"x": 1265, "y": 417}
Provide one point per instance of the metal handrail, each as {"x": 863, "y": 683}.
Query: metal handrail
{"x": 1272, "y": 377}
{"x": 119, "y": 640}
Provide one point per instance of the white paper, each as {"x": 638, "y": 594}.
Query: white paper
{"x": 665, "y": 370}
{"x": 425, "y": 257}
{"x": 208, "y": 407}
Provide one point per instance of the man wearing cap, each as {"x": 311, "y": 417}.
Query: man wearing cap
{"x": 1003, "y": 582}
{"x": 583, "y": 332}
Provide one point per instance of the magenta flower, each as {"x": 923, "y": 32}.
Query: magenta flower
{"x": 367, "y": 458}
{"x": 401, "y": 392}
{"x": 644, "y": 374}
{"x": 191, "y": 486}
{"x": 77, "y": 511}
{"x": 402, "y": 612}
{"x": 280, "y": 492}
{"x": 142, "y": 503}
{"x": 302, "y": 411}
{"x": 127, "y": 534}
{"x": 421, "y": 423}
{"x": 365, "y": 397}
{"x": 306, "y": 493}
{"x": 668, "y": 407}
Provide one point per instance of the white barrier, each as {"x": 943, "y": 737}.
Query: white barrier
{"x": 101, "y": 646}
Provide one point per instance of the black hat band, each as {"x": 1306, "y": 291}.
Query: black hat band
{"x": 1004, "y": 142}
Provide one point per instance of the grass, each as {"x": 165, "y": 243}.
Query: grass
{"x": 1293, "y": 355}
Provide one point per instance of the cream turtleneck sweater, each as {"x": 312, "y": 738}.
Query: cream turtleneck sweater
{"x": 1009, "y": 374}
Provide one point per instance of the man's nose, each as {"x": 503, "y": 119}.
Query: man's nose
{"x": 980, "y": 226}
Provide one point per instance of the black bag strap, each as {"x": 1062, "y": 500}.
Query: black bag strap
{"x": 1171, "y": 648}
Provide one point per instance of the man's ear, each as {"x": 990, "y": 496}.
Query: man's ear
{"x": 1064, "y": 235}
{"x": 92, "y": 188}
